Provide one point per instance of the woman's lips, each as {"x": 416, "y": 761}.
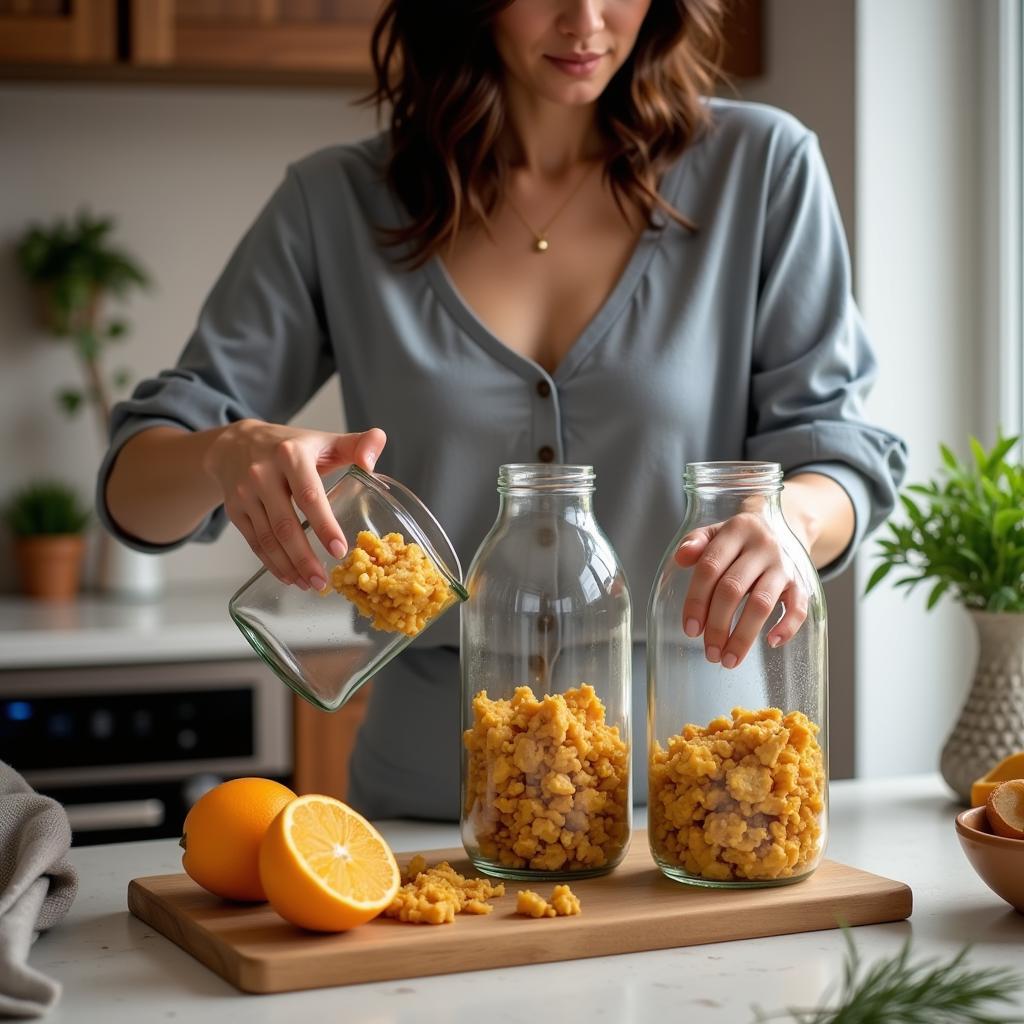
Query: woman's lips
{"x": 577, "y": 67}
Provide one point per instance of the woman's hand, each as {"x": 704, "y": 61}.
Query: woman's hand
{"x": 736, "y": 559}
{"x": 261, "y": 468}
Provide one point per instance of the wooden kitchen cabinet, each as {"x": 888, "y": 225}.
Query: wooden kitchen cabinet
{"x": 324, "y": 742}
{"x": 330, "y": 36}
{"x": 236, "y": 42}
{"x": 71, "y": 32}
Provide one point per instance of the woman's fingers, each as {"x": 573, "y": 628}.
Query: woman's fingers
{"x": 361, "y": 449}
{"x": 734, "y": 584}
{"x": 256, "y": 530}
{"x": 794, "y": 600}
{"x": 761, "y": 600}
{"x": 307, "y": 491}
{"x": 719, "y": 553}
{"x": 692, "y": 546}
{"x": 288, "y": 533}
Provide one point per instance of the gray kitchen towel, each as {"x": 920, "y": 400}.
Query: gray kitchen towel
{"x": 37, "y": 885}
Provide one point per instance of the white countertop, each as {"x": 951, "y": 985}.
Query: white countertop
{"x": 181, "y": 625}
{"x": 117, "y": 970}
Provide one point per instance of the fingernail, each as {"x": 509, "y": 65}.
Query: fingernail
{"x": 317, "y": 582}
{"x": 730, "y": 660}
{"x": 774, "y": 641}
{"x": 371, "y": 458}
{"x": 692, "y": 627}
{"x": 714, "y": 654}
{"x": 337, "y": 548}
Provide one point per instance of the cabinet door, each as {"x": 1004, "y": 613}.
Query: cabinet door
{"x": 58, "y": 31}
{"x": 324, "y": 744}
{"x": 271, "y": 35}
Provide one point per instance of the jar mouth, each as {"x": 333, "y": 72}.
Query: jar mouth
{"x": 763, "y": 477}
{"x": 545, "y": 478}
{"x": 420, "y": 523}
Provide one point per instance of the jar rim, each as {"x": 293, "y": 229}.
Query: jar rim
{"x": 545, "y": 478}
{"x": 417, "y": 519}
{"x": 750, "y": 476}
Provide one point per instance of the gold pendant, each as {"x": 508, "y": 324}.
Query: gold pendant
{"x": 541, "y": 245}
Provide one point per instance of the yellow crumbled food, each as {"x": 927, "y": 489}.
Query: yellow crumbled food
{"x": 435, "y": 895}
{"x": 393, "y": 583}
{"x": 564, "y": 903}
{"x": 547, "y": 784}
{"x": 532, "y": 904}
{"x": 741, "y": 799}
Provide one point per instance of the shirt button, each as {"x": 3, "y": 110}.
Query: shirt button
{"x": 543, "y": 388}
{"x": 546, "y": 454}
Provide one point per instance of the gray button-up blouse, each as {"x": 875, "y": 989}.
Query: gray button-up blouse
{"x": 738, "y": 341}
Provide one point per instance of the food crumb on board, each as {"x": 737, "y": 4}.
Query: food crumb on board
{"x": 564, "y": 903}
{"x": 435, "y": 895}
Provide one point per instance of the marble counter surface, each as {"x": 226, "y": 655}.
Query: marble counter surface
{"x": 117, "y": 970}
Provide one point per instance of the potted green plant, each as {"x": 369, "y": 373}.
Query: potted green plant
{"x": 72, "y": 266}
{"x": 965, "y": 536}
{"x": 47, "y": 521}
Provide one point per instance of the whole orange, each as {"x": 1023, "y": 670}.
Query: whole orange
{"x": 222, "y": 836}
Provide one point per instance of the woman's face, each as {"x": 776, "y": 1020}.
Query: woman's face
{"x": 566, "y": 51}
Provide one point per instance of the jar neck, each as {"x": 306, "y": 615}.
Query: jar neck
{"x": 555, "y": 489}
{"x": 717, "y": 490}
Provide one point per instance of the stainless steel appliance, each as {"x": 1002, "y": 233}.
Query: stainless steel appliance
{"x": 128, "y": 748}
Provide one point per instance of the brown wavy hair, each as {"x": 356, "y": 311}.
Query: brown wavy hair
{"x": 437, "y": 68}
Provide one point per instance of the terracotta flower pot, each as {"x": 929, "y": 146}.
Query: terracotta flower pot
{"x": 991, "y": 722}
{"x": 50, "y": 566}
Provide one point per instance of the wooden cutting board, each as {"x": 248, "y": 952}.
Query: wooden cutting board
{"x": 634, "y": 908}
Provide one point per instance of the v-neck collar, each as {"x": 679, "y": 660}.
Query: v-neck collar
{"x": 643, "y": 252}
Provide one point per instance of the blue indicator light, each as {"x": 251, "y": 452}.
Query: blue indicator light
{"x": 19, "y": 710}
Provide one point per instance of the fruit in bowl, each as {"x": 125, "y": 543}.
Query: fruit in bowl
{"x": 992, "y": 838}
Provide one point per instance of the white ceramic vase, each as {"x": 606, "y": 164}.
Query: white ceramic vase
{"x": 991, "y": 722}
{"x": 124, "y": 572}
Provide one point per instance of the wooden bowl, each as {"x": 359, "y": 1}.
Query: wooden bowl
{"x": 998, "y": 861}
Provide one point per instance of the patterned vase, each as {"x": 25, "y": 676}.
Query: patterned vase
{"x": 991, "y": 722}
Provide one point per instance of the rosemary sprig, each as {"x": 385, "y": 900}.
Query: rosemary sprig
{"x": 896, "y": 991}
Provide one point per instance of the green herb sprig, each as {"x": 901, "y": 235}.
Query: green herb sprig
{"x": 897, "y": 991}
{"x": 966, "y": 533}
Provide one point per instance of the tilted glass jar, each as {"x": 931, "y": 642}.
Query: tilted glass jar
{"x": 545, "y": 662}
{"x": 738, "y": 765}
{"x": 400, "y": 575}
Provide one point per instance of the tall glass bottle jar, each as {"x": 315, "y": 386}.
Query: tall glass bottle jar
{"x": 545, "y": 663}
{"x": 738, "y": 766}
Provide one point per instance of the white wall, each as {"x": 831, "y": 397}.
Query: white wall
{"x": 918, "y": 249}
{"x": 184, "y": 170}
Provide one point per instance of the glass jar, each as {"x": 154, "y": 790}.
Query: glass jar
{"x": 738, "y": 766}
{"x": 545, "y": 661}
{"x": 381, "y": 594}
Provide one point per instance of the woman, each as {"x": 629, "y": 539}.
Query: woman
{"x": 561, "y": 251}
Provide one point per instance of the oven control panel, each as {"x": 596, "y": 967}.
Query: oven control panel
{"x": 86, "y": 730}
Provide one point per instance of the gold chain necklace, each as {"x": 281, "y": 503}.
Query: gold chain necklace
{"x": 540, "y": 238}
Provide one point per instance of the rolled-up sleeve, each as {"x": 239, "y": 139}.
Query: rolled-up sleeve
{"x": 259, "y": 349}
{"x": 812, "y": 362}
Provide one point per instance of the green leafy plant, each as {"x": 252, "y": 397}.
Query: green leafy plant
{"x": 897, "y": 991}
{"x": 966, "y": 532}
{"x": 45, "y": 508}
{"x": 72, "y": 265}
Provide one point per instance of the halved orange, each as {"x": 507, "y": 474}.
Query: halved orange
{"x": 1011, "y": 767}
{"x": 1005, "y": 809}
{"x": 325, "y": 867}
